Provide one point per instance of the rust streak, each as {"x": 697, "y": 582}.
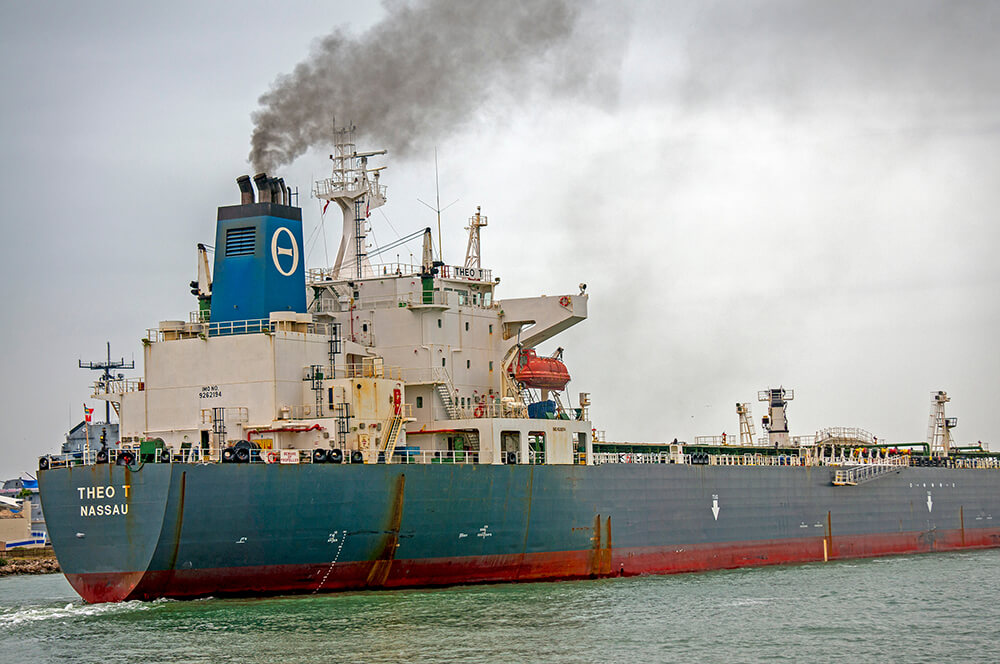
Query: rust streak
{"x": 527, "y": 523}
{"x": 594, "y": 562}
{"x": 961, "y": 521}
{"x": 180, "y": 523}
{"x": 382, "y": 562}
{"x": 829, "y": 532}
{"x": 606, "y": 552}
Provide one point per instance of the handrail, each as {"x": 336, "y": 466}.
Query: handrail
{"x": 118, "y": 386}
{"x": 213, "y": 454}
{"x": 435, "y": 456}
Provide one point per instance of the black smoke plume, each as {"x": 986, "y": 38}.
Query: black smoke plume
{"x": 431, "y": 67}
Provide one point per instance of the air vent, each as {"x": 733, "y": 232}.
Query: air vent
{"x": 240, "y": 241}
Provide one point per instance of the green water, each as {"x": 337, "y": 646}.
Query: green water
{"x": 930, "y": 608}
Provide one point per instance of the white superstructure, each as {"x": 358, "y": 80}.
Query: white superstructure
{"x": 386, "y": 356}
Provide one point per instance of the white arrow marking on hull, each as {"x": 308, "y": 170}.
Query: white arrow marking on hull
{"x": 715, "y": 507}
{"x": 930, "y": 503}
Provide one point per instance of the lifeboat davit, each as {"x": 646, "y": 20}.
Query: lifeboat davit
{"x": 547, "y": 373}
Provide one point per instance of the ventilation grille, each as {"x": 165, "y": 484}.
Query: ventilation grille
{"x": 240, "y": 241}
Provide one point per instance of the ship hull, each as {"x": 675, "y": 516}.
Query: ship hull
{"x": 190, "y": 530}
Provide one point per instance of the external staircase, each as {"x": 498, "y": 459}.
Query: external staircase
{"x": 444, "y": 391}
{"x": 865, "y": 473}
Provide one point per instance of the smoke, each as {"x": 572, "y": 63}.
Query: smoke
{"x": 431, "y": 67}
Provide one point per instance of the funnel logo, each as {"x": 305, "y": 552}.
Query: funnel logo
{"x": 278, "y": 251}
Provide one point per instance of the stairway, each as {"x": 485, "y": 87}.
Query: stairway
{"x": 449, "y": 403}
{"x": 394, "y": 426}
{"x": 861, "y": 474}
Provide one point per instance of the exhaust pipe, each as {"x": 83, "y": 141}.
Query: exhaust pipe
{"x": 284, "y": 192}
{"x": 263, "y": 188}
{"x": 272, "y": 183}
{"x": 246, "y": 190}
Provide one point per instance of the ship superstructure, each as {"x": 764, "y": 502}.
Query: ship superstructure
{"x": 380, "y": 425}
{"x": 355, "y": 360}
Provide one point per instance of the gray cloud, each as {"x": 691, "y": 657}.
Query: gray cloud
{"x": 924, "y": 60}
{"x": 427, "y": 69}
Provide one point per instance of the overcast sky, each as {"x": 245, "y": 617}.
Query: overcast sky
{"x": 756, "y": 193}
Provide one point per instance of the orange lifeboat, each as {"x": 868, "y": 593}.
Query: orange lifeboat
{"x": 547, "y": 373}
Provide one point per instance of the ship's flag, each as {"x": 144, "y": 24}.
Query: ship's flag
{"x": 87, "y": 412}
{"x": 367, "y": 211}
{"x": 325, "y": 206}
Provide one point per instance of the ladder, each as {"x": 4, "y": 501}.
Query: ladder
{"x": 343, "y": 418}
{"x": 559, "y": 407}
{"x": 527, "y": 396}
{"x": 393, "y": 427}
{"x": 861, "y": 474}
{"x": 449, "y": 403}
{"x": 316, "y": 379}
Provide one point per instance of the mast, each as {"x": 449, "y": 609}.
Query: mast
{"x": 775, "y": 422}
{"x": 350, "y": 187}
{"x": 106, "y": 366}
{"x": 940, "y": 425}
{"x": 472, "y": 254}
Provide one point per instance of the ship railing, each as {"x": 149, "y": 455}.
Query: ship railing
{"x": 369, "y": 367}
{"x": 235, "y": 327}
{"x": 118, "y": 386}
{"x": 325, "y": 276}
{"x": 213, "y": 454}
{"x": 437, "y": 298}
{"x": 756, "y": 460}
{"x": 845, "y": 435}
{"x": 632, "y": 457}
{"x": 425, "y": 375}
{"x": 396, "y": 269}
{"x": 899, "y": 460}
{"x": 717, "y": 441}
{"x": 859, "y": 474}
{"x": 337, "y": 187}
{"x": 435, "y": 456}
{"x": 492, "y": 411}
{"x": 200, "y": 316}
{"x": 734, "y": 440}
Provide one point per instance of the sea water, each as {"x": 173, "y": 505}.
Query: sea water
{"x": 922, "y": 608}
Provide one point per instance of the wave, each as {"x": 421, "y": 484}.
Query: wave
{"x": 29, "y": 614}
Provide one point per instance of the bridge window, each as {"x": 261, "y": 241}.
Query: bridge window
{"x": 420, "y": 402}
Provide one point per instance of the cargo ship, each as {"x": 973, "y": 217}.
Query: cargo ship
{"x": 377, "y": 424}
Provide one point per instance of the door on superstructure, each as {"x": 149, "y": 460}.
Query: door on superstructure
{"x": 510, "y": 446}
{"x": 536, "y": 447}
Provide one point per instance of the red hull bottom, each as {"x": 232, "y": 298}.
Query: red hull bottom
{"x": 552, "y": 566}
